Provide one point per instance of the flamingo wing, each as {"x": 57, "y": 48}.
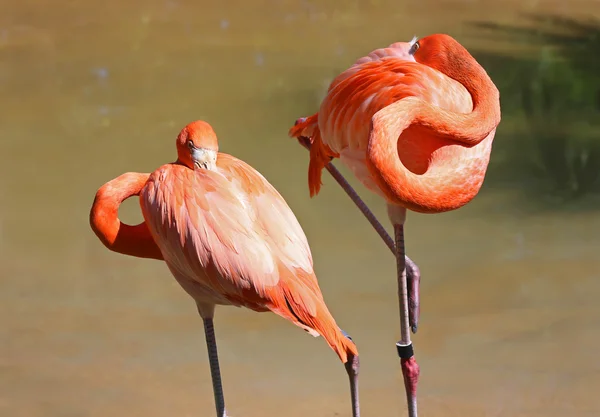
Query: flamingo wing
{"x": 282, "y": 231}
{"x": 297, "y": 297}
{"x": 298, "y": 290}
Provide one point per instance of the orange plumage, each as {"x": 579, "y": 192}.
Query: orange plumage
{"x": 415, "y": 123}
{"x": 228, "y": 237}
{"x": 416, "y": 128}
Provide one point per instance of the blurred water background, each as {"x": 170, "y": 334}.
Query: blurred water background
{"x": 89, "y": 90}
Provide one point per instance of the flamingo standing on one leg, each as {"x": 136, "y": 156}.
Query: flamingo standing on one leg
{"x": 228, "y": 237}
{"x": 415, "y": 123}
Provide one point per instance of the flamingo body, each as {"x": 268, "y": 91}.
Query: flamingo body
{"x": 229, "y": 238}
{"x": 433, "y": 171}
{"x": 414, "y": 122}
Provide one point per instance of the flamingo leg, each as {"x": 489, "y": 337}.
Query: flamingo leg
{"x": 352, "y": 368}
{"x": 410, "y": 368}
{"x": 413, "y": 274}
{"x": 215, "y": 371}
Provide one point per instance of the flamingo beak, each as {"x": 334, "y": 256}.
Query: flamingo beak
{"x": 203, "y": 158}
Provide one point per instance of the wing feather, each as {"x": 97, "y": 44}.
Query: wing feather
{"x": 203, "y": 227}
{"x": 281, "y": 229}
{"x": 370, "y": 85}
{"x": 239, "y": 223}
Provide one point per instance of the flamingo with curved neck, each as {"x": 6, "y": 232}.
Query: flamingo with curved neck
{"x": 228, "y": 237}
{"x": 414, "y": 122}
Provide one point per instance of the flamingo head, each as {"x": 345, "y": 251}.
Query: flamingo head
{"x": 441, "y": 52}
{"x": 197, "y": 146}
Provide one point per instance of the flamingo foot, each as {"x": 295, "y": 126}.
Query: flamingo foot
{"x": 413, "y": 278}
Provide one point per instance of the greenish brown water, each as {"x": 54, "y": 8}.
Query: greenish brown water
{"x": 510, "y": 315}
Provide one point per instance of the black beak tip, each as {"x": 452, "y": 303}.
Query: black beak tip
{"x": 300, "y": 120}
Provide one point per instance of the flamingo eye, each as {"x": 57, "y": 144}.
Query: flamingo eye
{"x": 414, "y": 48}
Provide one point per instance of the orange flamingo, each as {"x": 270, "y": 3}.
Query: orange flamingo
{"x": 228, "y": 237}
{"x": 415, "y": 123}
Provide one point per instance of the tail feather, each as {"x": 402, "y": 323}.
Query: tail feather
{"x": 305, "y": 307}
{"x": 323, "y": 324}
{"x": 320, "y": 154}
{"x": 318, "y": 161}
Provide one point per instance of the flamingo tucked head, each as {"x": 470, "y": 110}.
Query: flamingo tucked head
{"x": 197, "y": 146}
{"x": 441, "y": 52}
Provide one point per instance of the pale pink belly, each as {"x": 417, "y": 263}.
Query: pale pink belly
{"x": 200, "y": 293}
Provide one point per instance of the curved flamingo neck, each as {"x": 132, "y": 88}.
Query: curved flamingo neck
{"x": 114, "y": 234}
{"x": 473, "y": 127}
{"x": 446, "y": 190}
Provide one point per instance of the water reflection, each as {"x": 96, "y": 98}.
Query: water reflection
{"x": 88, "y": 91}
{"x": 549, "y": 86}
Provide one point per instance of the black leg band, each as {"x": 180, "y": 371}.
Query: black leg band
{"x": 405, "y": 351}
